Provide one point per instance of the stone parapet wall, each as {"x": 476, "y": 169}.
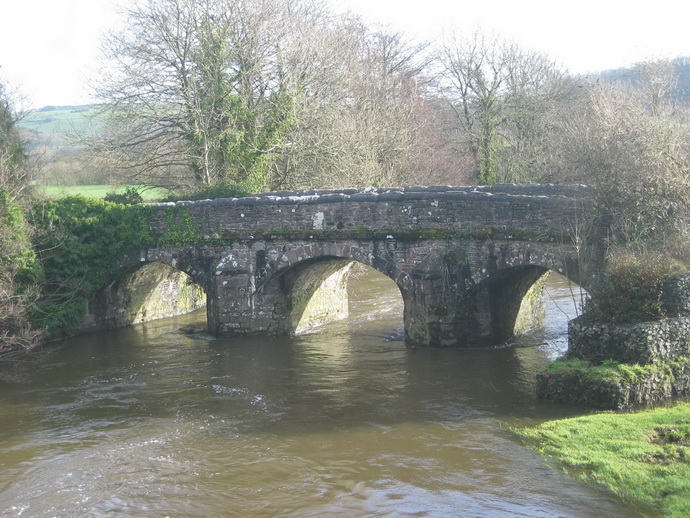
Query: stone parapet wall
{"x": 508, "y": 209}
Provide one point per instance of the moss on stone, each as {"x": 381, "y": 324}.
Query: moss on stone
{"x": 613, "y": 385}
{"x": 532, "y": 308}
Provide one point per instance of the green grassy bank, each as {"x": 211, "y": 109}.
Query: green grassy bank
{"x": 644, "y": 457}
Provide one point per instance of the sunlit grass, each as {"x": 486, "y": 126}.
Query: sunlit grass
{"x": 97, "y": 191}
{"x": 644, "y": 457}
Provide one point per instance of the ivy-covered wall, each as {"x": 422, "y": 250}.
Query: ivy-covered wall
{"x": 79, "y": 241}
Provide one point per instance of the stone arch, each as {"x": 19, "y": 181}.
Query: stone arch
{"x": 510, "y": 301}
{"x": 145, "y": 291}
{"x": 188, "y": 260}
{"x": 494, "y": 257}
{"x": 272, "y": 262}
{"x": 316, "y": 292}
{"x": 310, "y": 281}
{"x": 498, "y": 299}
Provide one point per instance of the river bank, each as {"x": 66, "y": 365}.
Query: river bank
{"x": 644, "y": 457}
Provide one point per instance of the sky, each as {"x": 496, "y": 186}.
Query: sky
{"x": 50, "y": 48}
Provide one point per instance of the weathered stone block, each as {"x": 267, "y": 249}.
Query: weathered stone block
{"x": 643, "y": 343}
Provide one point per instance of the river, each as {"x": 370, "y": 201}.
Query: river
{"x": 162, "y": 420}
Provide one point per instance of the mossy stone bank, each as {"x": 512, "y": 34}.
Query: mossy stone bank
{"x": 616, "y": 366}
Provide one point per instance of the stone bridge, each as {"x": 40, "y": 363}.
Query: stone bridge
{"x": 462, "y": 257}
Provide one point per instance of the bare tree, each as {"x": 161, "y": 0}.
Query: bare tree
{"x": 192, "y": 92}
{"x": 618, "y": 139}
{"x": 658, "y": 82}
{"x": 267, "y": 94}
{"x": 498, "y": 93}
{"x": 362, "y": 116}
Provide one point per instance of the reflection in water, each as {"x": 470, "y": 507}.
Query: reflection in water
{"x": 348, "y": 421}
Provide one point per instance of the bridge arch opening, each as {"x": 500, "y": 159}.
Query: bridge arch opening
{"x": 324, "y": 290}
{"x": 317, "y": 293}
{"x": 147, "y": 292}
{"x": 514, "y": 301}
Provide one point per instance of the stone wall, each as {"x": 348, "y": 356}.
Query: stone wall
{"x": 642, "y": 342}
{"x": 595, "y": 389}
{"x": 627, "y": 364}
{"x": 545, "y": 212}
{"x": 675, "y": 295}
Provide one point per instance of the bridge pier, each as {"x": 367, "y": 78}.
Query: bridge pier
{"x": 447, "y": 309}
{"x": 308, "y": 295}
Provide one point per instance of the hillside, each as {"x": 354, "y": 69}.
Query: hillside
{"x": 52, "y": 134}
{"x": 55, "y": 126}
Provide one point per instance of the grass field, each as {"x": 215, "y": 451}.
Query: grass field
{"x": 644, "y": 456}
{"x": 96, "y": 191}
{"x": 58, "y": 120}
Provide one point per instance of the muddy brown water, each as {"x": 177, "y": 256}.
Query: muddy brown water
{"x": 160, "y": 419}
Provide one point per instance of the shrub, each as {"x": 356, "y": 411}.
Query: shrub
{"x": 19, "y": 273}
{"x": 629, "y": 290}
{"x": 210, "y": 192}
{"x": 131, "y": 196}
{"x": 79, "y": 240}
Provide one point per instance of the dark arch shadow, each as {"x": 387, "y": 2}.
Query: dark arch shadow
{"x": 510, "y": 302}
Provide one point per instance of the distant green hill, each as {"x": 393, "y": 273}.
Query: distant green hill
{"x": 53, "y": 133}
{"x": 53, "y": 129}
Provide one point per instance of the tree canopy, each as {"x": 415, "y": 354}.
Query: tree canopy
{"x": 264, "y": 94}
